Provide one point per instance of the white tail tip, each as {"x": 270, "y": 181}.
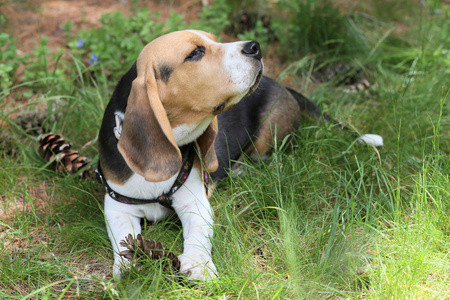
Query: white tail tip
{"x": 371, "y": 139}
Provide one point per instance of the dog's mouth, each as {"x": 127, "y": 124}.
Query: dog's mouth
{"x": 256, "y": 83}
{"x": 234, "y": 100}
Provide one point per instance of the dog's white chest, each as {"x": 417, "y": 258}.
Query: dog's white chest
{"x": 137, "y": 187}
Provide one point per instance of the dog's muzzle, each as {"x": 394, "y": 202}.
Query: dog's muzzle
{"x": 253, "y": 49}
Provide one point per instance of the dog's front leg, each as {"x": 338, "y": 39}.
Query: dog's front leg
{"x": 196, "y": 215}
{"x": 121, "y": 220}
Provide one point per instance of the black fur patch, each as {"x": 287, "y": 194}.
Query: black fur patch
{"x": 164, "y": 72}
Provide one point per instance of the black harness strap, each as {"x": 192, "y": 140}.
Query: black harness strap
{"x": 165, "y": 199}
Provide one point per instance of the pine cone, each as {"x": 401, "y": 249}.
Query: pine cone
{"x": 140, "y": 248}
{"x": 34, "y": 121}
{"x": 53, "y": 146}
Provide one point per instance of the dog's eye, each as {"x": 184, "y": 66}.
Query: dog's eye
{"x": 196, "y": 55}
{"x": 218, "y": 109}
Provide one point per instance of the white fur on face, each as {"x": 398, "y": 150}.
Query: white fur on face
{"x": 243, "y": 70}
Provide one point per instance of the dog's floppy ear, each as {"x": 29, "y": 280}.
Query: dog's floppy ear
{"x": 147, "y": 143}
{"x": 206, "y": 145}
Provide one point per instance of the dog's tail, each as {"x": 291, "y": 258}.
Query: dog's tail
{"x": 311, "y": 109}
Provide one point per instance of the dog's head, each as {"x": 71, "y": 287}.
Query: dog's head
{"x": 184, "y": 80}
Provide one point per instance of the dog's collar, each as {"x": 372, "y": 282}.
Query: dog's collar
{"x": 188, "y": 154}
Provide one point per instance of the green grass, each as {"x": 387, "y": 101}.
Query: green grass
{"x": 322, "y": 218}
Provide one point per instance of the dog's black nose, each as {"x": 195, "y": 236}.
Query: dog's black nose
{"x": 252, "y": 49}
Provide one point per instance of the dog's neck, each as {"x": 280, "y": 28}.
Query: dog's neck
{"x": 185, "y": 134}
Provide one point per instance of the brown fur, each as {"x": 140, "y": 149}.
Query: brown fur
{"x": 278, "y": 120}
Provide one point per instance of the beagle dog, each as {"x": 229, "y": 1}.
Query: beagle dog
{"x": 169, "y": 129}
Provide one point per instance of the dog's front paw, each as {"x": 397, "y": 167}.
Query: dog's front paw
{"x": 200, "y": 269}
{"x": 119, "y": 266}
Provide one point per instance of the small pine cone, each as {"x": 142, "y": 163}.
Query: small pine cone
{"x": 140, "y": 248}
{"x": 53, "y": 145}
{"x": 32, "y": 121}
{"x": 70, "y": 161}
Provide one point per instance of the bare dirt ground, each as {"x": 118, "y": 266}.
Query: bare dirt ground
{"x": 29, "y": 20}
